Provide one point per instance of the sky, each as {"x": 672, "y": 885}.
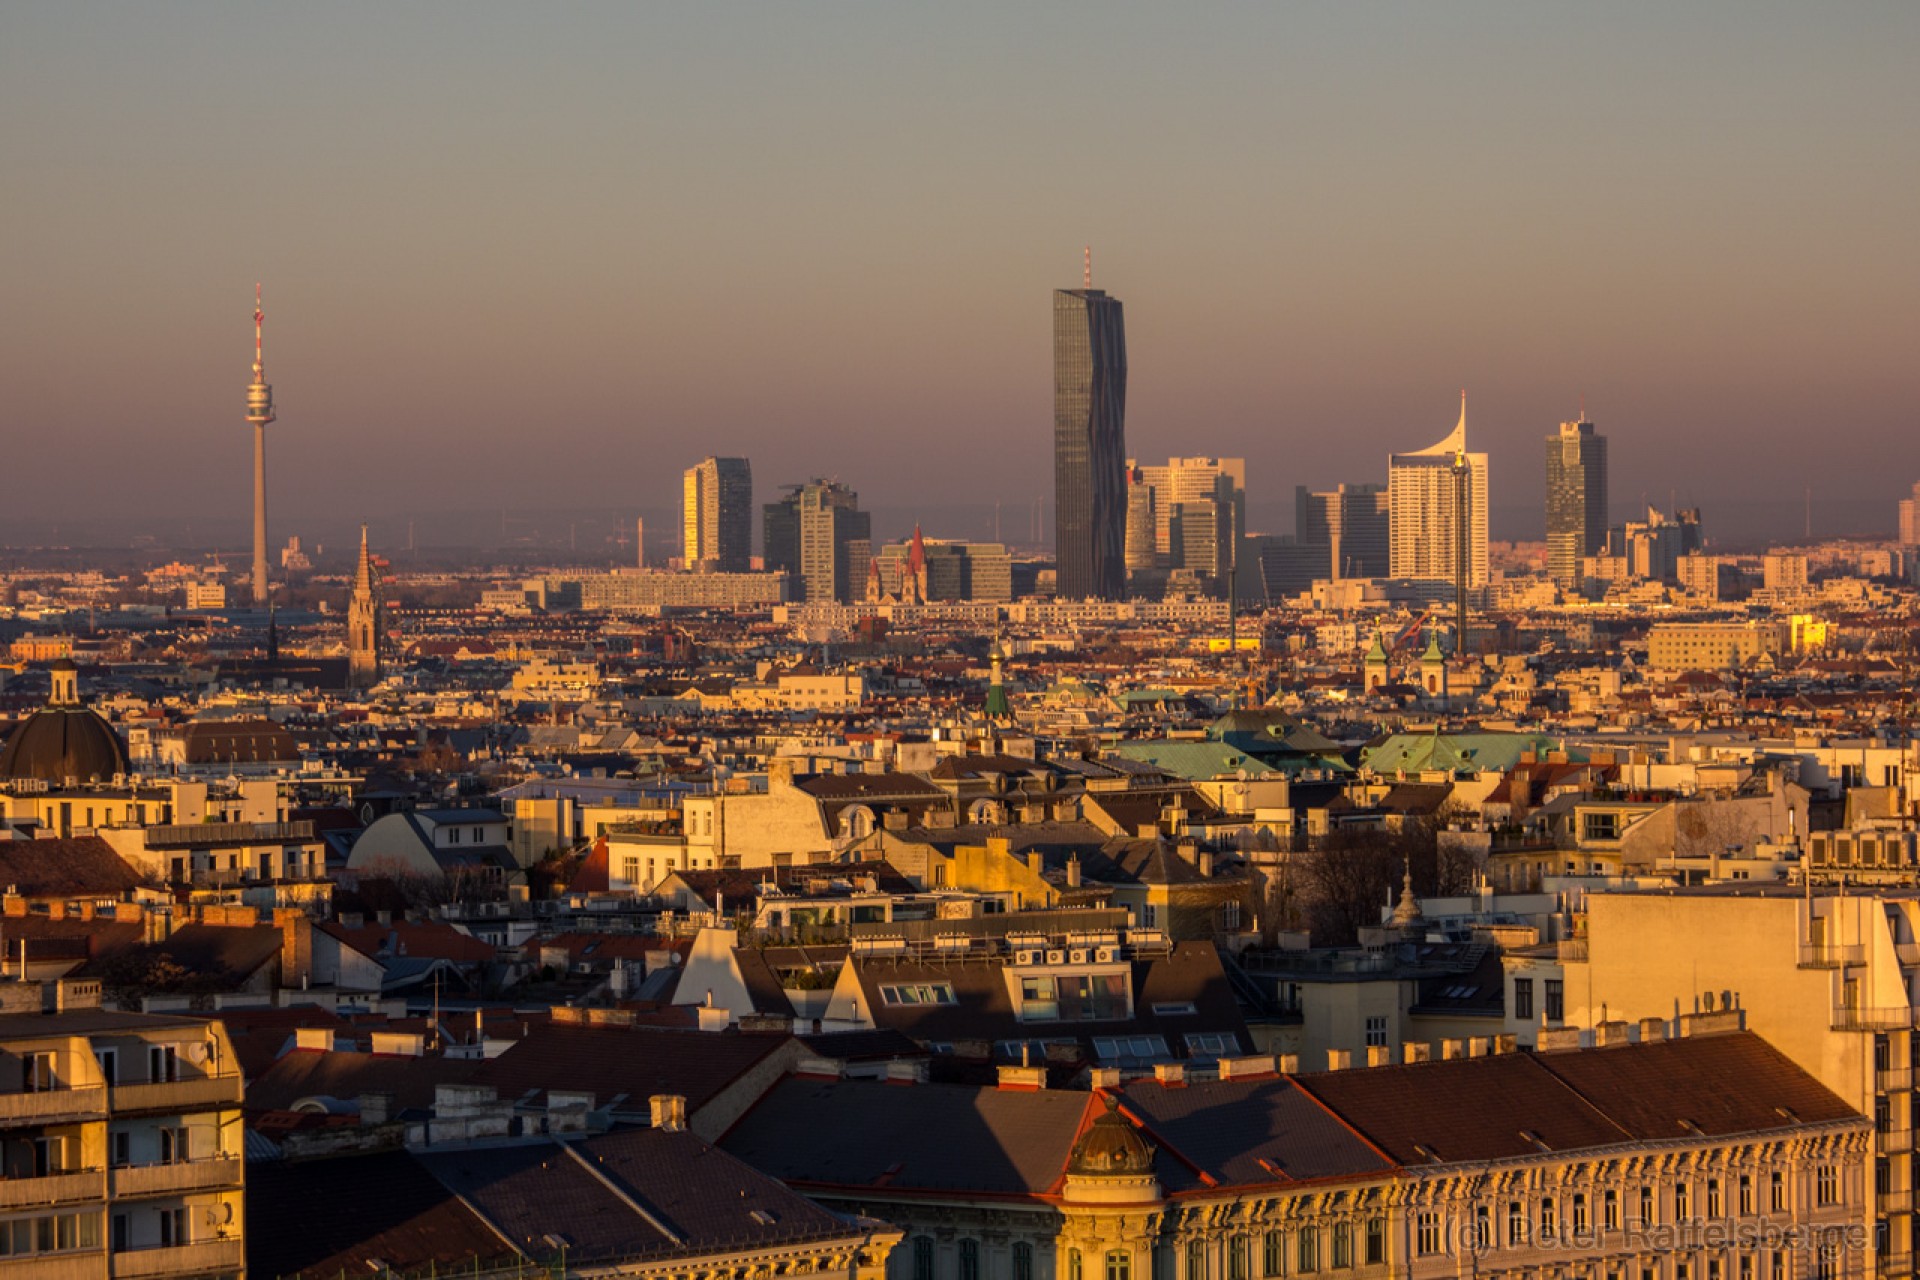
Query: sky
{"x": 548, "y": 256}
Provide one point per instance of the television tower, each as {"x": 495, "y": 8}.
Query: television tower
{"x": 259, "y": 413}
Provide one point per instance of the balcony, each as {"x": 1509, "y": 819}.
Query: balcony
{"x": 90, "y": 1265}
{"x": 1893, "y": 1079}
{"x": 1894, "y": 1202}
{"x": 1572, "y": 951}
{"x": 195, "y": 1259}
{"x": 48, "y": 1106}
{"x": 1893, "y": 1142}
{"x": 217, "y": 1174}
{"x": 1832, "y": 956}
{"x": 1857, "y": 1017}
{"x": 1894, "y": 1264}
{"x": 52, "y": 1189}
{"x": 186, "y": 1094}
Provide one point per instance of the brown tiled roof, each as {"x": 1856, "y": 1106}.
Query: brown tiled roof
{"x": 309, "y": 1073}
{"x": 870, "y": 786}
{"x": 1246, "y": 1132}
{"x": 320, "y": 1219}
{"x": 638, "y": 1062}
{"x": 83, "y": 866}
{"x": 846, "y": 1133}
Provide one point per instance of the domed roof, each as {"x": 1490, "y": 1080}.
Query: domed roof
{"x": 63, "y": 739}
{"x": 1111, "y": 1147}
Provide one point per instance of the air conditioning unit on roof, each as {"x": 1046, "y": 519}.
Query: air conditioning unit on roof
{"x": 1056, "y": 957}
{"x": 1106, "y": 955}
{"x": 1078, "y": 955}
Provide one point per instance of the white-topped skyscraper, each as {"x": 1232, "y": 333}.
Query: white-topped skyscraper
{"x": 259, "y": 413}
{"x": 1437, "y": 511}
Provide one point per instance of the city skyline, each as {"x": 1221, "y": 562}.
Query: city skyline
{"x": 1309, "y": 327}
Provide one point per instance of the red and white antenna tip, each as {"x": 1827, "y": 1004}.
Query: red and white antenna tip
{"x": 1088, "y": 273}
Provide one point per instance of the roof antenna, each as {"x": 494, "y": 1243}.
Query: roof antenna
{"x": 1088, "y": 273}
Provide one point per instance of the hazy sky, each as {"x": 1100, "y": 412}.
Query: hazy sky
{"x": 552, "y": 254}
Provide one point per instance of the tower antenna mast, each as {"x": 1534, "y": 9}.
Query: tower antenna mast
{"x": 1087, "y": 271}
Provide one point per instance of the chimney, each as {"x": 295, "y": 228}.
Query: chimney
{"x": 1611, "y": 1033}
{"x": 1206, "y": 864}
{"x": 1339, "y": 1059}
{"x": 1073, "y": 872}
{"x": 1027, "y": 1079}
{"x": 1379, "y": 1055}
{"x": 669, "y": 1111}
{"x": 1479, "y": 1046}
{"x": 1170, "y": 1074}
{"x": 1451, "y": 1049}
{"x": 296, "y": 946}
{"x": 1652, "y": 1029}
{"x": 1508, "y": 1043}
{"x": 1416, "y": 1051}
{"x": 375, "y": 1109}
{"x": 1289, "y": 1064}
{"x": 1103, "y": 1078}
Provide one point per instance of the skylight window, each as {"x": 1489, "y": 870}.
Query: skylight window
{"x": 919, "y": 993}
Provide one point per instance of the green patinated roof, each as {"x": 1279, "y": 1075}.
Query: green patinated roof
{"x": 1193, "y": 760}
{"x": 1414, "y": 752}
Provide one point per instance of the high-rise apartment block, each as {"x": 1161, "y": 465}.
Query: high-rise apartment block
{"x": 1350, "y": 524}
{"x": 717, "y": 516}
{"x": 819, "y": 533}
{"x": 946, "y": 571}
{"x": 1089, "y": 444}
{"x": 1910, "y": 519}
{"x": 122, "y": 1137}
{"x": 1576, "y": 499}
{"x": 1437, "y": 498}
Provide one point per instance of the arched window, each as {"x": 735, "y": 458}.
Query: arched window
{"x": 969, "y": 1260}
{"x": 1022, "y": 1260}
{"x": 1119, "y": 1265}
{"x": 1196, "y": 1260}
{"x": 923, "y": 1258}
{"x": 1237, "y": 1258}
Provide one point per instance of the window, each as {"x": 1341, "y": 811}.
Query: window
{"x": 1175, "y": 1009}
{"x": 1376, "y": 1032}
{"x": 173, "y": 1228}
{"x": 1549, "y": 1219}
{"x": 1426, "y": 1232}
{"x": 1746, "y": 1266}
{"x": 1746, "y": 1195}
{"x": 1523, "y": 998}
{"x": 919, "y": 993}
{"x": 1714, "y": 1207}
{"x": 1610, "y": 1210}
{"x": 1124, "y": 1049}
{"x": 1482, "y": 1226}
{"x": 1306, "y": 1250}
{"x": 1119, "y": 1264}
{"x": 120, "y": 1149}
{"x": 1237, "y": 1258}
{"x": 41, "y": 1073}
{"x": 1827, "y": 1185}
{"x": 1777, "y": 1184}
{"x": 1779, "y": 1267}
{"x": 922, "y": 1258}
{"x": 1214, "y": 1044}
{"x": 1196, "y": 1260}
{"x": 1580, "y": 1222}
{"x": 1273, "y": 1254}
{"x": 969, "y": 1260}
{"x": 109, "y": 1066}
{"x": 1682, "y": 1202}
{"x": 1556, "y": 1004}
{"x": 1074, "y": 998}
{"x": 173, "y": 1145}
{"x": 1342, "y": 1244}
{"x": 1376, "y": 1241}
{"x": 1022, "y": 1260}
{"x": 1516, "y": 1223}
{"x": 163, "y": 1063}
{"x": 1649, "y": 1207}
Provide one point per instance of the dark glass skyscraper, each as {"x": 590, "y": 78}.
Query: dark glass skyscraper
{"x": 1576, "y": 499}
{"x": 1089, "y": 445}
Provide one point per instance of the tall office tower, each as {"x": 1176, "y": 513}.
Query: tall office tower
{"x": 1349, "y": 526}
{"x": 1576, "y": 499}
{"x": 1141, "y": 553}
{"x": 259, "y": 413}
{"x": 1187, "y": 480}
{"x": 1910, "y": 519}
{"x": 364, "y": 621}
{"x": 819, "y": 533}
{"x": 1437, "y": 510}
{"x": 1089, "y": 443}
{"x": 1201, "y": 533}
{"x": 717, "y": 516}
